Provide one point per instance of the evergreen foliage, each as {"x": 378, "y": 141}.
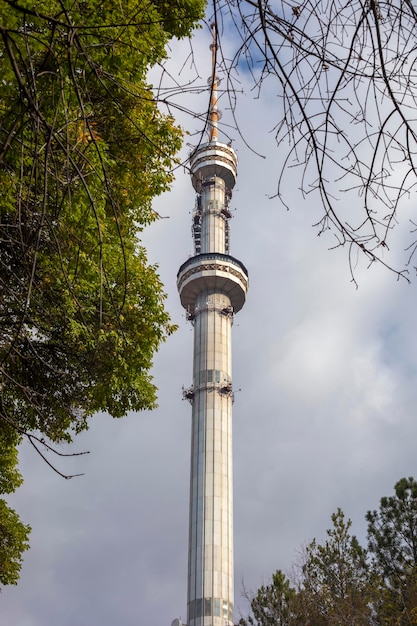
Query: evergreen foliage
{"x": 274, "y": 604}
{"x": 341, "y": 583}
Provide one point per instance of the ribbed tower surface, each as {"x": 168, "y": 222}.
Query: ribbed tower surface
{"x": 212, "y": 287}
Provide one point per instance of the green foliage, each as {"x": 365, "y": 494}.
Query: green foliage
{"x": 274, "y": 604}
{"x": 392, "y": 531}
{"x": 13, "y": 542}
{"x": 83, "y": 152}
{"x": 13, "y": 534}
{"x": 336, "y": 575}
{"x": 392, "y": 539}
{"x": 10, "y": 477}
{"x": 341, "y": 583}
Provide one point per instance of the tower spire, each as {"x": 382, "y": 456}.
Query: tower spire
{"x": 214, "y": 113}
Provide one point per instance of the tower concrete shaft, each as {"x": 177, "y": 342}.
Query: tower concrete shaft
{"x": 212, "y": 287}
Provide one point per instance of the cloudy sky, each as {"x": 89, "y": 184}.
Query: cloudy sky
{"x": 324, "y": 416}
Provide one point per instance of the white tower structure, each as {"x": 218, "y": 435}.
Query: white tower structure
{"x": 212, "y": 287}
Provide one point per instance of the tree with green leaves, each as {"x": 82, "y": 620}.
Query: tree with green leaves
{"x": 13, "y": 542}
{"x": 392, "y": 543}
{"x": 392, "y": 531}
{"x": 335, "y": 578}
{"x": 340, "y": 583}
{"x": 332, "y": 587}
{"x": 13, "y": 533}
{"x": 84, "y": 150}
{"x": 274, "y": 604}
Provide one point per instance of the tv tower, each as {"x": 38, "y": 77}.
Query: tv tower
{"x": 212, "y": 286}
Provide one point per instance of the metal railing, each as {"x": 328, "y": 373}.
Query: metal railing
{"x": 212, "y": 256}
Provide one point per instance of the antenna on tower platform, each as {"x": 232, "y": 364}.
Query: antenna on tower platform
{"x": 215, "y": 114}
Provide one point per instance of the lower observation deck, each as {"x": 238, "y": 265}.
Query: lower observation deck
{"x": 213, "y": 272}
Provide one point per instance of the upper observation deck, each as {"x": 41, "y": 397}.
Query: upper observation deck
{"x": 213, "y": 159}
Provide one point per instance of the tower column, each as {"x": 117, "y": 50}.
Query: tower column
{"x": 210, "y": 576}
{"x": 213, "y": 230}
{"x": 212, "y": 286}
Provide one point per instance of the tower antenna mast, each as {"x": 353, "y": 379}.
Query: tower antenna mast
{"x": 214, "y": 113}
